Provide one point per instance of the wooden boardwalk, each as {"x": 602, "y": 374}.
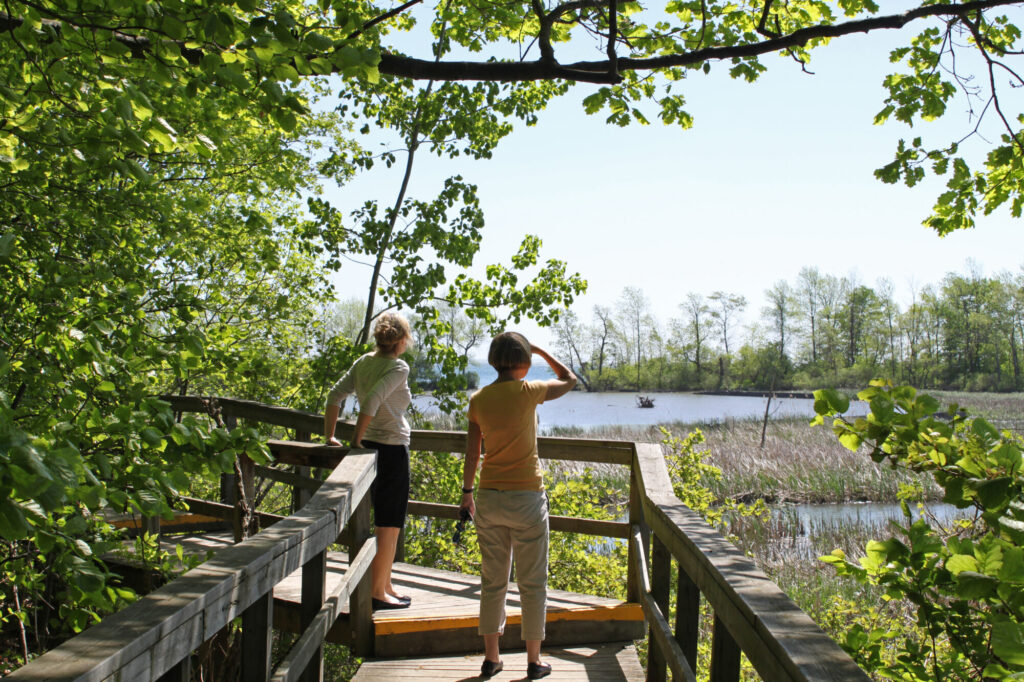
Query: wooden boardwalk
{"x": 603, "y": 662}
{"x": 444, "y": 614}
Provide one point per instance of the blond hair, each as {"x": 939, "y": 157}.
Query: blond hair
{"x": 389, "y": 330}
{"x": 509, "y": 350}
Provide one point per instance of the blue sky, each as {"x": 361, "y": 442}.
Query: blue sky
{"x": 774, "y": 176}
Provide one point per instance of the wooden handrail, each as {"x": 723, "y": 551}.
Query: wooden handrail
{"x": 780, "y": 640}
{"x": 158, "y": 632}
{"x": 566, "y": 449}
{"x": 659, "y": 622}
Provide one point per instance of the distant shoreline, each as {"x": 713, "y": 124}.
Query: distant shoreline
{"x": 806, "y": 395}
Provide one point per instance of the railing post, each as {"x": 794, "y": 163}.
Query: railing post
{"x": 687, "y": 616}
{"x": 635, "y": 519}
{"x": 300, "y": 496}
{"x": 314, "y": 575}
{"x": 359, "y": 607}
{"x": 229, "y": 482}
{"x": 725, "y": 655}
{"x": 661, "y": 576}
{"x": 257, "y": 623}
{"x": 181, "y": 672}
{"x": 151, "y": 525}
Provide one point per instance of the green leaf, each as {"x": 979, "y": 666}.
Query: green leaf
{"x": 994, "y": 493}
{"x": 961, "y": 562}
{"x": 973, "y": 585}
{"x": 1008, "y": 642}
{"x": 13, "y": 525}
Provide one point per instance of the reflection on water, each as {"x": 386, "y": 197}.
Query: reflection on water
{"x": 807, "y": 531}
{"x": 807, "y": 517}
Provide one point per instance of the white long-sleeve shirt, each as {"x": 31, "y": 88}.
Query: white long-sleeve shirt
{"x": 381, "y": 385}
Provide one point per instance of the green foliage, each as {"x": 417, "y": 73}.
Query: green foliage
{"x": 692, "y": 477}
{"x": 576, "y": 562}
{"x": 966, "y": 583}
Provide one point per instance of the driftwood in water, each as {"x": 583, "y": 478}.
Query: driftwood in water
{"x": 644, "y": 401}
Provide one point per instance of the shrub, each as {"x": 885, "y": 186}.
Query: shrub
{"x": 966, "y": 582}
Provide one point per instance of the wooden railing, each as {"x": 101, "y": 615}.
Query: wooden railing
{"x": 153, "y": 638}
{"x": 751, "y": 614}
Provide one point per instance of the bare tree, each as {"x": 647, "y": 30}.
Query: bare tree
{"x": 633, "y": 313}
{"x": 570, "y": 334}
{"x": 808, "y": 293}
{"x": 697, "y": 326}
{"x": 725, "y": 310}
{"x": 779, "y": 312}
{"x": 603, "y": 331}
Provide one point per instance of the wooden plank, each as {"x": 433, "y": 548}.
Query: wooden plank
{"x": 257, "y": 630}
{"x": 147, "y": 638}
{"x": 307, "y": 454}
{"x": 308, "y": 644}
{"x": 361, "y": 598}
{"x": 725, "y": 655}
{"x": 567, "y": 524}
{"x": 687, "y": 617}
{"x": 615, "y": 661}
{"x": 659, "y": 633}
{"x": 288, "y": 478}
{"x": 570, "y": 449}
{"x": 225, "y": 512}
{"x": 780, "y": 640}
{"x": 660, "y": 586}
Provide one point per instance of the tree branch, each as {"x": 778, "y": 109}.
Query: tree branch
{"x": 597, "y": 71}
{"x": 601, "y": 71}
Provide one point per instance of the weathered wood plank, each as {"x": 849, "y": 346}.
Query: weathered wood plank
{"x": 144, "y": 640}
{"x": 225, "y": 512}
{"x": 288, "y": 478}
{"x": 567, "y": 524}
{"x": 571, "y": 449}
{"x": 781, "y": 641}
{"x": 309, "y": 642}
{"x": 611, "y": 662}
{"x": 669, "y": 650}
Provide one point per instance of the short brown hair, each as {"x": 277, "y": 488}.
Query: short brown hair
{"x": 389, "y": 330}
{"x": 509, "y": 350}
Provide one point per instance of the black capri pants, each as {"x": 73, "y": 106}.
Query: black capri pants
{"x": 390, "y": 490}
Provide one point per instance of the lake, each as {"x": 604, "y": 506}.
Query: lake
{"x": 587, "y": 410}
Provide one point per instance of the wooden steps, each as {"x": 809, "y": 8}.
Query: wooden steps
{"x": 609, "y": 662}
{"x": 444, "y": 613}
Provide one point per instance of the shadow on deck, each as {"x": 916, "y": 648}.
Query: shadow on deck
{"x": 443, "y": 617}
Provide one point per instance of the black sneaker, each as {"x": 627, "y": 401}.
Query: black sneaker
{"x": 490, "y": 669}
{"x": 535, "y": 671}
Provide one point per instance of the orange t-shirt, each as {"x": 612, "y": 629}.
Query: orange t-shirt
{"x": 506, "y": 413}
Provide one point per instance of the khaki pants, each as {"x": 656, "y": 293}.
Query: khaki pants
{"x": 513, "y": 523}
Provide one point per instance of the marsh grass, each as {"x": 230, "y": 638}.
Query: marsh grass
{"x": 798, "y": 463}
{"x": 1004, "y": 410}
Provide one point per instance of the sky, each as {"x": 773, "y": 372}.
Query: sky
{"x": 774, "y": 176}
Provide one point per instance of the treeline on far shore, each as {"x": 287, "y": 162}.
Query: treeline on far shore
{"x": 965, "y": 333}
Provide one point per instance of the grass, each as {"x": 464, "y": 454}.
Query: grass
{"x": 798, "y": 463}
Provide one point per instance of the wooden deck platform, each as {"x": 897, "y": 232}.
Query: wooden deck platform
{"x": 443, "y": 617}
{"x": 604, "y": 662}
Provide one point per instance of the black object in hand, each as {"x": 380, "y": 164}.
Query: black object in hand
{"x": 464, "y": 516}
